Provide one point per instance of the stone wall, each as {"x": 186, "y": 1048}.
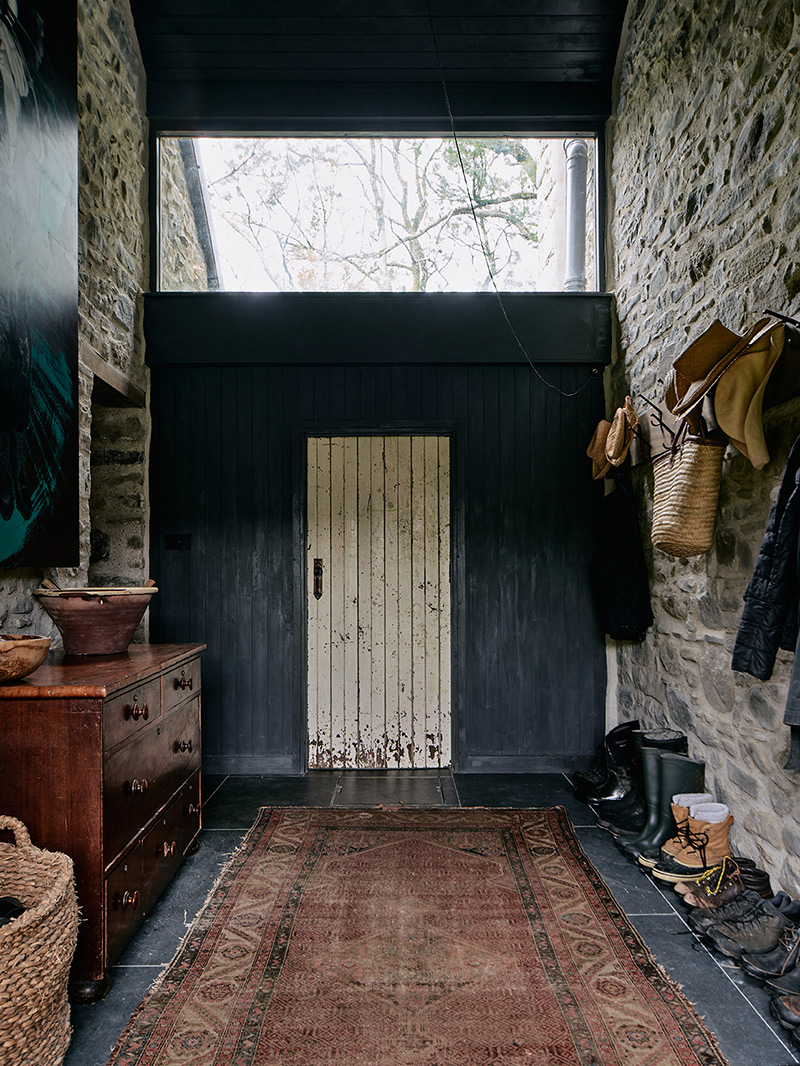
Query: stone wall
{"x": 112, "y": 271}
{"x": 112, "y": 202}
{"x": 184, "y": 266}
{"x": 119, "y": 505}
{"x": 705, "y": 223}
{"x": 113, "y": 274}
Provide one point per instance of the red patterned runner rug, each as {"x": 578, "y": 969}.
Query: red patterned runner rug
{"x": 408, "y": 937}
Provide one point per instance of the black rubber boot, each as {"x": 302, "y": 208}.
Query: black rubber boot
{"x": 666, "y": 739}
{"x": 676, "y": 774}
{"x": 626, "y": 815}
{"x": 651, "y": 779}
{"x": 616, "y": 757}
{"x": 654, "y": 742}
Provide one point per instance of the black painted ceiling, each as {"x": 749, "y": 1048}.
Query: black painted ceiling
{"x": 349, "y": 64}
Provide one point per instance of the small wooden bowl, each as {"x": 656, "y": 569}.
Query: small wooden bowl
{"x": 20, "y": 655}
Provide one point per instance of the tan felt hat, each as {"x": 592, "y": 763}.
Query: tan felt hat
{"x": 706, "y": 359}
{"x": 739, "y": 399}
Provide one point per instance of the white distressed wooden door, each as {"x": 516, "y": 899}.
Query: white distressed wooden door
{"x": 378, "y": 571}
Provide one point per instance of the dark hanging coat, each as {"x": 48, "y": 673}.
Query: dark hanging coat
{"x": 771, "y": 608}
{"x": 618, "y": 569}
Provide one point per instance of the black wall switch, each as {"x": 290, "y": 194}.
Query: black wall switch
{"x": 177, "y": 542}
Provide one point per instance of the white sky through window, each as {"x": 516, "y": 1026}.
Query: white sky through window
{"x": 381, "y": 214}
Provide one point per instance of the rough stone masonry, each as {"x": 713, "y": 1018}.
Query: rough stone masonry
{"x": 704, "y": 165}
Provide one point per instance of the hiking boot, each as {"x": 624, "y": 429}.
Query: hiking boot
{"x": 756, "y": 932}
{"x": 789, "y": 908}
{"x": 787, "y": 1010}
{"x": 786, "y": 984}
{"x": 718, "y": 885}
{"x": 758, "y": 880}
{"x": 781, "y": 960}
{"x": 747, "y": 901}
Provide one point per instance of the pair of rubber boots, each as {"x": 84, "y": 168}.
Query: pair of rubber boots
{"x": 664, "y": 774}
{"x": 626, "y": 812}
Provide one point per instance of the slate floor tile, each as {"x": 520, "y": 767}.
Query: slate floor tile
{"x": 413, "y": 790}
{"x": 734, "y": 1007}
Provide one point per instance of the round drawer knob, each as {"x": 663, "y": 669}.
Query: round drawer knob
{"x": 193, "y": 808}
{"x": 185, "y": 682}
{"x": 129, "y": 899}
{"x": 184, "y": 745}
{"x": 138, "y": 712}
{"x": 169, "y": 849}
{"x": 139, "y": 787}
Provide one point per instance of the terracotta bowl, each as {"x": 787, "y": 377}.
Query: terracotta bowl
{"x": 20, "y": 655}
{"x": 96, "y": 621}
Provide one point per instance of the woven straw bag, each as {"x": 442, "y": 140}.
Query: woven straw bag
{"x": 686, "y": 482}
{"x": 36, "y": 952}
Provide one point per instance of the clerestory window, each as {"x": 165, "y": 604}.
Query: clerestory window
{"x": 372, "y": 214}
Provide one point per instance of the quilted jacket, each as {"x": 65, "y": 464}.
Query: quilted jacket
{"x": 770, "y": 616}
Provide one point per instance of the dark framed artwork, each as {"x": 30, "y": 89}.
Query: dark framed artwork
{"x": 39, "y": 488}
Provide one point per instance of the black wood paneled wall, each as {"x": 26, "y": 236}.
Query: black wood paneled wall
{"x": 227, "y": 466}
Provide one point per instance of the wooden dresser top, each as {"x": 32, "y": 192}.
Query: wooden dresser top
{"x": 95, "y": 676}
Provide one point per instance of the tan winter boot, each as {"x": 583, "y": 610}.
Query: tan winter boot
{"x": 681, "y": 806}
{"x": 701, "y": 843}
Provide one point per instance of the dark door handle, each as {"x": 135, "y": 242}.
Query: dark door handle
{"x": 317, "y": 578}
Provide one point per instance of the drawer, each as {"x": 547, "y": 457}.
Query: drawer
{"x": 180, "y": 683}
{"x": 123, "y": 715}
{"x": 181, "y": 735}
{"x": 124, "y": 902}
{"x": 164, "y": 845}
{"x": 142, "y": 775}
{"x": 192, "y": 809}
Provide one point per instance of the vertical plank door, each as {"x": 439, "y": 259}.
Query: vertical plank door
{"x": 378, "y": 618}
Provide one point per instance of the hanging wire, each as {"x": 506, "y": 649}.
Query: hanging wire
{"x": 471, "y": 202}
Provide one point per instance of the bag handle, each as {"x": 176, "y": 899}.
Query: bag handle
{"x": 22, "y": 837}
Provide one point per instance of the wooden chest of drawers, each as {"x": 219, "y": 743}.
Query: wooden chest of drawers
{"x": 100, "y": 758}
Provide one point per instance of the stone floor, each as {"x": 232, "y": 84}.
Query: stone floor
{"x": 735, "y": 1007}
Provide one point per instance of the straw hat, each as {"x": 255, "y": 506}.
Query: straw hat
{"x": 597, "y": 449}
{"x": 621, "y": 433}
{"x": 704, "y": 362}
{"x": 739, "y": 399}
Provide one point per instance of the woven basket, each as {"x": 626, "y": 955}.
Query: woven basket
{"x": 36, "y": 952}
{"x": 685, "y": 493}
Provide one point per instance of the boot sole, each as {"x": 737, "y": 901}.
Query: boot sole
{"x": 673, "y": 879}
{"x": 648, "y": 863}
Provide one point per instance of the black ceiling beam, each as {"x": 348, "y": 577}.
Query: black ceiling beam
{"x": 151, "y": 10}
{"x": 376, "y": 328}
{"x": 274, "y": 43}
{"x": 381, "y": 26}
{"x": 528, "y": 65}
{"x": 325, "y": 107}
